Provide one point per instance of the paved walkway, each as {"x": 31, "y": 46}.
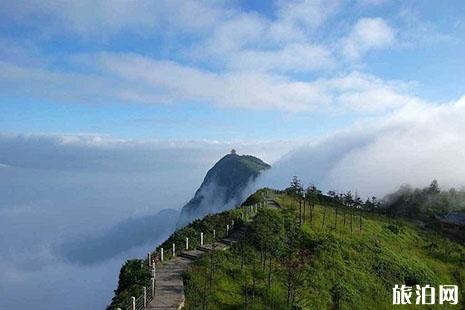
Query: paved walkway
{"x": 169, "y": 286}
{"x": 272, "y": 204}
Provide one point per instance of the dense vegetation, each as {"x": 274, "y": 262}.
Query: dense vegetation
{"x": 134, "y": 274}
{"x": 420, "y": 204}
{"x": 326, "y": 255}
{"x": 316, "y": 251}
{"x": 424, "y": 203}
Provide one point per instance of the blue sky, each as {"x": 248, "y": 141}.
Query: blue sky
{"x": 114, "y": 110}
{"x": 223, "y": 70}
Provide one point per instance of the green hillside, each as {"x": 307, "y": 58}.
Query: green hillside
{"x": 134, "y": 274}
{"x": 322, "y": 263}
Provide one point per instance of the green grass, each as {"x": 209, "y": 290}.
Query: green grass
{"x": 134, "y": 274}
{"x": 349, "y": 270}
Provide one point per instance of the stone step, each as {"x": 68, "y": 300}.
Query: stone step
{"x": 193, "y": 254}
{"x": 217, "y": 246}
{"x": 169, "y": 288}
{"x": 229, "y": 241}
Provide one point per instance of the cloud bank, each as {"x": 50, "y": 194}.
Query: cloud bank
{"x": 69, "y": 203}
{"x": 412, "y": 145}
{"x": 66, "y": 187}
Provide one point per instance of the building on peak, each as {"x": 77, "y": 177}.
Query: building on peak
{"x": 233, "y": 152}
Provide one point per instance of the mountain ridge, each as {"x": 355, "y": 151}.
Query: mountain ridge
{"x": 223, "y": 187}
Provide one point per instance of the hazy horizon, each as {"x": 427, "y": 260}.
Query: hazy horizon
{"x": 114, "y": 111}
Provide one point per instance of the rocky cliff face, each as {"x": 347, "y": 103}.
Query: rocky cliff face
{"x": 224, "y": 186}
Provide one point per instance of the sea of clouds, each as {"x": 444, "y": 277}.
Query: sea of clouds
{"x": 74, "y": 208}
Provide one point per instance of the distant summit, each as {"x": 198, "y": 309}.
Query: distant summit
{"x": 223, "y": 187}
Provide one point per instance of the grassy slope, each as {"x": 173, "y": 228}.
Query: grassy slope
{"x": 358, "y": 268}
{"x": 134, "y": 274}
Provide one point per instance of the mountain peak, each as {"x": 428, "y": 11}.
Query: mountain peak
{"x": 224, "y": 186}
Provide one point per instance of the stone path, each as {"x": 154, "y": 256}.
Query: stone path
{"x": 272, "y": 204}
{"x": 169, "y": 286}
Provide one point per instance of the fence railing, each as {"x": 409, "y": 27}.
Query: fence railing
{"x": 148, "y": 293}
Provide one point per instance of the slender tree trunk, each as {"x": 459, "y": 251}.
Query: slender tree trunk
{"x": 292, "y": 294}
{"x": 242, "y": 255}
{"x": 324, "y": 217}
{"x": 264, "y": 260}
{"x": 288, "y": 294}
{"x": 344, "y": 209}
{"x": 311, "y": 211}
{"x": 253, "y": 281}
{"x": 304, "y": 212}
{"x": 244, "y": 283}
{"x": 204, "y": 301}
{"x": 210, "y": 280}
{"x": 245, "y": 294}
{"x": 351, "y": 217}
{"x": 269, "y": 273}
{"x": 300, "y": 212}
{"x": 335, "y": 222}
{"x": 360, "y": 217}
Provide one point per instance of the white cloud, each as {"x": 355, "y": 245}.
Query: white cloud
{"x": 367, "y": 34}
{"x": 250, "y": 42}
{"x": 138, "y": 79}
{"x": 235, "y": 34}
{"x": 414, "y": 145}
{"x": 362, "y": 92}
{"x": 416, "y": 31}
{"x": 292, "y": 58}
{"x": 174, "y": 82}
{"x": 309, "y": 13}
{"x": 372, "y": 2}
{"x": 91, "y": 18}
{"x": 239, "y": 59}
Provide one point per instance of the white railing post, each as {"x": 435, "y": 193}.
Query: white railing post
{"x": 133, "y": 302}
{"x": 153, "y": 270}
{"x": 232, "y": 223}
{"x": 145, "y": 296}
{"x": 187, "y": 243}
{"x": 227, "y": 229}
{"x": 153, "y": 287}
{"x": 174, "y": 249}
{"x": 161, "y": 254}
{"x": 201, "y": 238}
{"x": 214, "y": 234}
